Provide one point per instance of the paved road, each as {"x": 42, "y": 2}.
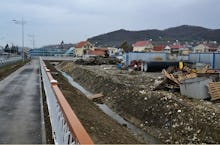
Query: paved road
{"x": 20, "y": 112}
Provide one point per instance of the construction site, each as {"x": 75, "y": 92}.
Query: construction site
{"x": 179, "y": 104}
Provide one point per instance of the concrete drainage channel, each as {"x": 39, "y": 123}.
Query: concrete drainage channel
{"x": 136, "y": 131}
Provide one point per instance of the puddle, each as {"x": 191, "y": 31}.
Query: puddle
{"x": 137, "y": 131}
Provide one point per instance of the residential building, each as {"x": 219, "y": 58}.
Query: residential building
{"x": 167, "y": 49}
{"x": 82, "y": 47}
{"x": 96, "y": 52}
{"x": 205, "y": 48}
{"x": 175, "y": 48}
{"x": 142, "y": 46}
{"x": 159, "y": 48}
{"x": 115, "y": 51}
{"x": 201, "y": 48}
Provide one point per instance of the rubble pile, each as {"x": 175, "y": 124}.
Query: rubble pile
{"x": 98, "y": 60}
{"x": 204, "y": 80}
{"x": 170, "y": 117}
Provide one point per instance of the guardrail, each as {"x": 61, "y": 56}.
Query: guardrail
{"x": 4, "y": 61}
{"x": 66, "y": 127}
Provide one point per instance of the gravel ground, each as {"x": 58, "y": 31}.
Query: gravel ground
{"x": 168, "y": 116}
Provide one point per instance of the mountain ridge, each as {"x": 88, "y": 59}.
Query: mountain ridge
{"x": 181, "y": 33}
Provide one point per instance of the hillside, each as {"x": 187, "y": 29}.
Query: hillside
{"x": 181, "y": 33}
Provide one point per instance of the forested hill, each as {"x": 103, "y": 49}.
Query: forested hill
{"x": 181, "y": 33}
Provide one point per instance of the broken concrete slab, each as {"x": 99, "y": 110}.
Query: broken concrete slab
{"x": 195, "y": 88}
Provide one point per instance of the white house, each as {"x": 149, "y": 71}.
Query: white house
{"x": 167, "y": 49}
{"x": 115, "y": 51}
{"x": 142, "y": 46}
{"x": 82, "y": 47}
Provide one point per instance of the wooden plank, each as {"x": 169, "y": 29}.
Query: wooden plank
{"x": 182, "y": 77}
{"x": 95, "y": 96}
{"x": 170, "y": 76}
{"x": 214, "y": 90}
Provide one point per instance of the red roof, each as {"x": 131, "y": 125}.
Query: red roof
{"x": 96, "y": 52}
{"x": 158, "y": 48}
{"x": 176, "y": 46}
{"x": 141, "y": 43}
{"x": 213, "y": 49}
{"x": 211, "y": 46}
{"x": 80, "y": 44}
{"x": 102, "y": 49}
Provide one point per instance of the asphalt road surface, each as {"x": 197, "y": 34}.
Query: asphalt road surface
{"x": 20, "y": 109}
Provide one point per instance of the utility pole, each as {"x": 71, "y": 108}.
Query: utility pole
{"x": 21, "y": 22}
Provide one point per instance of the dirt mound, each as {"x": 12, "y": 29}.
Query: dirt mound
{"x": 167, "y": 116}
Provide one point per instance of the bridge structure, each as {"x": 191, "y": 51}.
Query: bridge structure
{"x": 21, "y": 108}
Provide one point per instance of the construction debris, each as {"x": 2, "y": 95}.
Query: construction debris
{"x": 189, "y": 79}
{"x": 182, "y": 76}
{"x": 97, "y": 60}
{"x": 168, "y": 116}
{"x": 195, "y": 88}
{"x": 170, "y": 76}
{"x": 214, "y": 90}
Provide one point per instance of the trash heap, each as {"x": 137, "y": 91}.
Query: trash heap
{"x": 191, "y": 81}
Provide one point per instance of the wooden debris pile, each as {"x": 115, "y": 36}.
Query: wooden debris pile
{"x": 214, "y": 90}
{"x": 172, "y": 79}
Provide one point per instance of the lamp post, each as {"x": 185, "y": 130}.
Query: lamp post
{"x": 21, "y": 22}
{"x": 33, "y": 39}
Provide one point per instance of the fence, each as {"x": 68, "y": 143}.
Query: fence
{"x": 144, "y": 57}
{"x": 209, "y": 58}
{"x": 66, "y": 127}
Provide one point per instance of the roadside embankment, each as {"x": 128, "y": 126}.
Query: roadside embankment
{"x": 101, "y": 128}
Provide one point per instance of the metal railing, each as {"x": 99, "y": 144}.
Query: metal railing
{"x": 4, "y": 61}
{"x": 66, "y": 127}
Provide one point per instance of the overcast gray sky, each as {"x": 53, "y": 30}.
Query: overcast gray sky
{"x": 75, "y": 20}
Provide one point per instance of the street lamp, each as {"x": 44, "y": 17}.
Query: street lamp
{"x": 33, "y": 39}
{"x": 21, "y": 22}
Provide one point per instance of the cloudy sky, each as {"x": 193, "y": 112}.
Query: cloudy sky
{"x": 52, "y": 21}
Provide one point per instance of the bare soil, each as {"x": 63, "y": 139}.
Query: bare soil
{"x": 168, "y": 116}
{"x": 101, "y": 128}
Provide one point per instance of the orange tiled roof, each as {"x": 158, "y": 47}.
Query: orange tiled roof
{"x": 96, "y": 52}
{"x": 141, "y": 43}
{"x": 158, "y": 48}
{"x": 176, "y": 46}
{"x": 80, "y": 44}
